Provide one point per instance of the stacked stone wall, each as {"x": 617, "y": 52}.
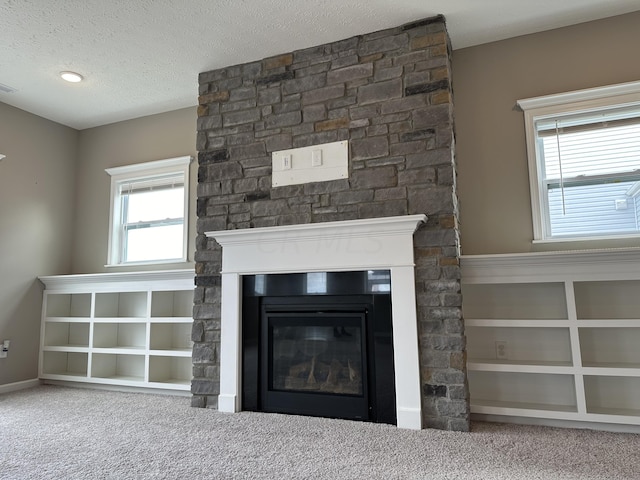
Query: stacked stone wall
{"x": 389, "y": 95}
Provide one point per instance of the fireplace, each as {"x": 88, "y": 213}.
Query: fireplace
{"x": 319, "y": 344}
{"x": 388, "y": 95}
{"x": 377, "y": 244}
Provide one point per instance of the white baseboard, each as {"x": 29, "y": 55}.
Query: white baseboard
{"x": 13, "y": 387}
{"x": 550, "y": 422}
{"x": 118, "y": 388}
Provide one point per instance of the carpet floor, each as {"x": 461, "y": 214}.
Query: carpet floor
{"x": 52, "y": 432}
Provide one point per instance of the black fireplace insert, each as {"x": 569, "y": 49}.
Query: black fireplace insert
{"x": 319, "y": 344}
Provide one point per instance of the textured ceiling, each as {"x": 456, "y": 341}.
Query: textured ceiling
{"x": 141, "y": 57}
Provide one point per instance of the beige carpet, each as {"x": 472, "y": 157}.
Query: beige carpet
{"x": 52, "y": 432}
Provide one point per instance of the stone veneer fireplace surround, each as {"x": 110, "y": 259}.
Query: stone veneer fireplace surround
{"x": 367, "y": 244}
{"x": 388, "y": 94}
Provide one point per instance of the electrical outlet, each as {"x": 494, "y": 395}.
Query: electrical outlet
{"x": 501, "y": 350}
{"x": 4, "y": 350}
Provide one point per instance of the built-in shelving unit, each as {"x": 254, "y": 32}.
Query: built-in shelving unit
{"x": 120, "y": 329}
{"x": 554, "y": 335}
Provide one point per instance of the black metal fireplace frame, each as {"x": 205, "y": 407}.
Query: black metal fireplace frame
{"x": 355, "y": 407}
{"x": 282, "y": 297}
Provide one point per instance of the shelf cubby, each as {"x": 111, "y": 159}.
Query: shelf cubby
{"x": 66, "y": 334}
{"x": 173, "y": 370}
{"x": 527, "y": 346}
{"x": 118, "y": 366}
{"x": 527, "y": 391}
{"x": 610, "y": 347}
{"x": 72, "y": 364}
{"x": 170, "y": 336}
{"x": 612, "y": 395}
{"x": 600, "y": 300}
{"x": 172, "y": 303}
{"x": 119, "y": 335}
{"x": 68, "y": 305}
{"x": 121, "y": 305}
{"x": 514, "y": 301}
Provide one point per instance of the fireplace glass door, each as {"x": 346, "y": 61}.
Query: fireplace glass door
{"x": 315, "y": 363}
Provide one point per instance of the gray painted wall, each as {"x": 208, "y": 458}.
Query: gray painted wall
{"x": 493, "y": 178}
{"x": 37, "y": 180}
{"x": 145, "y": 139}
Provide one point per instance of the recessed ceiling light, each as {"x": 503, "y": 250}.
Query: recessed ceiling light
{"x": 72, "y": 77}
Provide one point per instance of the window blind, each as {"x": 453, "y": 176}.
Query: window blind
{"x": 589, "y": 163}
{"x": 173, "y": 180}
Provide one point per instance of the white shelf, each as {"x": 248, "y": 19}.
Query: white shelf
{"x": 523, "y": 367}
{"x": 627, "y": 412}
{"x": 612, "y": 369}
{"x": 171, "y": 320}
{"x": 516, "y": 323}
{"x": 120, "y": 350}
{"x": 67, "y": 348}
{"x": 520, "y": 408}
{"x": 125, "y": 329}
{"x": 568, "y": 327}
{"x": 176, "y": 352}
{"x": 118, "y": 379}
{"x": 609, "y": 323}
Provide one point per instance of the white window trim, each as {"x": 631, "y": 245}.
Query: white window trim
{"x": 133, "y": 172}
{"x": 537, "y": 108}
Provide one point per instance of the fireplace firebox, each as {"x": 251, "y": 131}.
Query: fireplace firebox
{"x": 319, "y": 344}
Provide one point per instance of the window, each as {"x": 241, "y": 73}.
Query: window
{"x": 149, "y": 204}
{"x": 584, "y": 163}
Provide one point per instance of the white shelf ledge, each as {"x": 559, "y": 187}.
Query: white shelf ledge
{"x": 119, "y": 281}
{"x": 516, "y": 323}
{"x": 603, "y": 264}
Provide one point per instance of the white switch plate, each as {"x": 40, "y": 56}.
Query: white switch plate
{"x": 316, "y": 158}
{"x": 316, "y": 163}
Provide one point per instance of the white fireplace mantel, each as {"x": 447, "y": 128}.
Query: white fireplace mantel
{"x": 355, "y": 245}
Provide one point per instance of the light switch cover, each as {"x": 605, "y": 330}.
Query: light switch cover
{"x": 316, "y": 163}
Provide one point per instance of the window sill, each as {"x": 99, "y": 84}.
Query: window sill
{"x": 148, "y": 263}
{"x": 587, "y": 239}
